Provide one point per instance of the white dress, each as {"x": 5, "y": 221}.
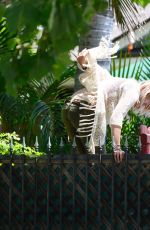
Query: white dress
{"x": 112, "y": 97}
{"x": 117, "y": 96}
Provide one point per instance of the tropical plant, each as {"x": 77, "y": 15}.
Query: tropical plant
{"x": 47, "y": 110}
{"x": 12, "y": 140}
{"x": 6, "y": 46}
{"x": 36, "y": 109}
{"x": 42, "y": 32}
{"x": 139, "y": 69}
{"x": 131, "y": 125}
{"x": 39, "y": 42}
{"x": 122, "y": 69}
{"x": 145, "y": 55}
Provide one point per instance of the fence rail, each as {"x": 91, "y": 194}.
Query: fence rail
{"x": 74, "y": 192}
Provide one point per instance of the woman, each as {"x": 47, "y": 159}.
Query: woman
{"x": 110, "y": 98}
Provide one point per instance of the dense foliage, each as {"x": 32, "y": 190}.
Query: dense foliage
{"x": 130, "y": 133}
{"x": 12, "y": 140}
{"x": 35, "y": 36}
{"x": 140, "y": 71}
{"x": 38, "y": 35}
{"x": 36, "y": 108}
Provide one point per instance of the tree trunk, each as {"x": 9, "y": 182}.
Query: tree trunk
{"x": 101, "y": 25}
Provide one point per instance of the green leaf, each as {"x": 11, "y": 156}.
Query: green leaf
{"x": 142, "y": 2}
{"x": 2, "y": 10}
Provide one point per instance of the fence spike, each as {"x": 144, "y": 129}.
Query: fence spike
{"x": 126, "y": 142}
{"x": 11, "y": 143}
{"x": 49, "y": 142}
{"x": 100, "y": 146}
{"x": 11, "y": 146}
{"x": 74, "y": 143}
{"x": 61, "y": 142}
{"x": 139, "y": 142}
{"x": 36, "y": 144}
{"x": 68, "y": 139}
{"x": 23, "y": 142}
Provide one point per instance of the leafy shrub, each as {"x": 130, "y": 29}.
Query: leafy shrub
{"x": 130, "y": 132}
{"x": 5, "y": 140}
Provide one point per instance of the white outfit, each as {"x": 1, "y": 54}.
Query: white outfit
{"x": 119, "y": 96}
{"x": 113, "y": 97}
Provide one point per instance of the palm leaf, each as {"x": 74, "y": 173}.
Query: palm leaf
{"x": 127, "y": 14}
{"x": 41, "y": 87}
{"x": 40, "y": 109}
{"x": 8, "y": 105}
{"x": 47, "y": 116}
{"x": 125, "y": 68}
{"x": 4, "y": 37}
{"x": 50, "y": 89}
{"x": 145, "y": 55}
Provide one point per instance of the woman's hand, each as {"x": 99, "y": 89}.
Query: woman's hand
{"x": 118, "y": 154}
{"x": 116, "y": 134}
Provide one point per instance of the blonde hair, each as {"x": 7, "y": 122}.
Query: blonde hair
{"x": 144, "y": 91}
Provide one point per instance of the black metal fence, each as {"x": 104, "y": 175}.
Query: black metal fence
{"x": 74, "y": 192}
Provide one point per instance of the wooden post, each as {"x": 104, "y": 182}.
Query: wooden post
{"x": 145, "y": 139}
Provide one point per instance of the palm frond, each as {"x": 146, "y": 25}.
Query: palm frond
{"x": 50, "y": 89}
{"x": 145, "y": 55}
{"x": 70, "y": 71}
{"x": 127, "y": 14}
{"x": 4, "y": 37}
{"x": 122, "y": 67}
{"x": 8, "y": 105}
{"x": 41, "y": 87}
{"x": 41, "y": 108}
{"x": 65, "y": 88}
{"x": 47, "y": 117}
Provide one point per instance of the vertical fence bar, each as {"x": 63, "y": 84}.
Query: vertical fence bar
{"x": 139, "y": 188}
{"x": 35, "y": 183}
{"x": 104, "y": 150}
{"x": 23, "y": 183}
{"x": 112, "y": 186}
{"x": 74, "y": 183}
{"x": 48, "y": 182}
{"x": 126, "y": 186}
{"x": 86, "y": 187}
{"x": 99, "y": 186}
{"x": 112, "y": 194}
{"x": 61, "y": 185}
{"x": 10, "y": 184}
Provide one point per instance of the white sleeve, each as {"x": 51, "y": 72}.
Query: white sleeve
{"x": 130, "y": 92}
{"x": 104, "y": 50}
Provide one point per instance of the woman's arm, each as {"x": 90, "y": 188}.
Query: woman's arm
{"x": 129, "y": 96}
{"x": 116, "y": 135}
